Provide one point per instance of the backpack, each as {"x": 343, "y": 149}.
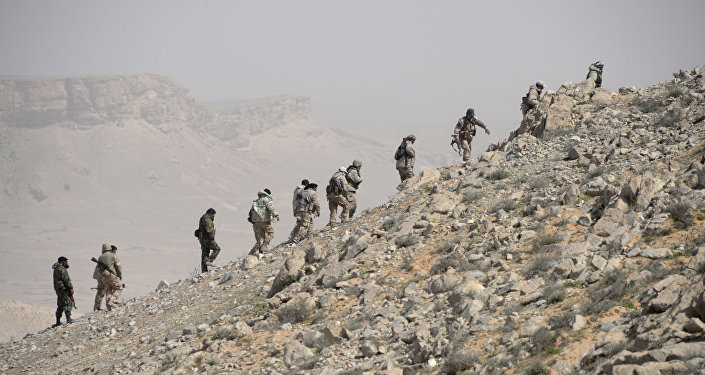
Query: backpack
{"x": 258, "y": 211}
{"x": 400, "y": 153}
{"x": 334, "y": 186}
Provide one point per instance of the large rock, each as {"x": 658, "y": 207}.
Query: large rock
{"x": 650, "y": 185}
{"x": 559, "y": 115}
{"x": 611, "y": 218}
{"x": 630, "y": 190}
{"x": 667, "y": 293}
{"x": 295, "y": 353}
{"x": 249, "y": 262}
{"x": 289, "y": 273}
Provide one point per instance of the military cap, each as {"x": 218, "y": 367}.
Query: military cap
{"x": 411, "y": 137}
{"x": 342, "y": 169}
{"x": 268, "y": 191}
{"x": 106, "y": 247}
{"x": 63, "y": 258}
{"x": 540, "y": 83}
{"x": 357, "y": 163}
{"x": 470, "y": 112}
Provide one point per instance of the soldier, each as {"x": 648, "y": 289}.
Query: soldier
{"x": 298, "y": 191}
{"x": 206, "y": 236}
{"x": 100, "y": 290}
{"x": 406, "y": 156}
{"x": 111, "y": 276}
{"x": 63, "y": 289}
{"x": 306, "y": 208}
{"x": 465, "y": 130}
{"x": 354, "y": 179}
{"x": 336, "y": 193}
{"x": 262, "y": 213}
{"x": 595, "y": 73}
{"x": 532, "y": 98}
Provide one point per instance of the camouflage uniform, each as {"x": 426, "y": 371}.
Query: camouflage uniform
{"x": 111, "y": 281}
{"x": 595, "y": 74}
{"x": 64, "y": 292}
{"x": 464, "y": 131}
{"x": 100, "y": 290}
{"x": 306, "y": 208}
{"x": 298, "y": 193}
{"x": 338, "y": 197}
{"x": 405, "y": 165}
{"x": 354, "y": 180}
{"x": 532, "y": 100}
{"x": 206, "y": 237}
{"x": 262, "y": 214}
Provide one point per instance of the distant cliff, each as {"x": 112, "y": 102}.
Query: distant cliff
{"x": 94, "y": 100}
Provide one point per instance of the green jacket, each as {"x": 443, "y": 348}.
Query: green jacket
{"x": 206, "y": 229}
{"x": 263, "y": 210}
{"x": 62, "y": 281}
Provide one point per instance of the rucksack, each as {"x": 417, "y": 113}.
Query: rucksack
{"x": 400, "y": 153}
{"x": 334, "y": 186}
{"x": 258, "y": 211}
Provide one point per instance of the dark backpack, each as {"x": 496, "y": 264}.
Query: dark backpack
{"x": 333, "y": 186}
{"x": 400, "y": 153}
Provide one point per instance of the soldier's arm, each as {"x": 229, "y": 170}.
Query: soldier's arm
{"x": 354, "y": 177}
{"x": 316, "y": 206}
{"x": 533, "y": 98}
{"x": 210, "y": 228}
{"x": 410, "y": 153}
{"x": 482, "y": 125}
{"x": 458, "y": 126}
{"x": 271, "y": 208}
{"x": 118, "y": 268}
{"x": 67, "y": 281}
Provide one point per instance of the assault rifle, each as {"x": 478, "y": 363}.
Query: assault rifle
{"x": 105, "y": 267}
{"x": 453, "y": 143}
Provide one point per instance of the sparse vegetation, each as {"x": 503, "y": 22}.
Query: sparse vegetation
{"x": 389, "y": 222}
{"x": 680, "y": 213}
{"x": 507, "y": 205}
{"x": 607, "y": 293}
{"x": 542, "y": 340}
{"x": 564, "y": 320}
{"x": 537, "y": 368}
{"x": 458, "y": 361}
{"x": 647, "y": 105}
{"x": 538, "y": 266}
{"x": 540, "y": 182}
{"x": 499, "y": 174}
{"x": 471, "y": 195}
{"x": 406, "y": 241}
{"x": 554, "y": 294}
{"x": 168, "y": 362}
{"x": 669, "y": 119}
{"x": 673, "y": 90}
{"x": 545, "y": 239}
{"x": 293, "y": 313}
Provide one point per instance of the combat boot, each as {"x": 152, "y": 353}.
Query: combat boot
{"x": 58, "y": 320}
{"x": 68, "y": 318}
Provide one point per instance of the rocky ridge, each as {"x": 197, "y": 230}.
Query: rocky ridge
{"x": 580, "y": 251}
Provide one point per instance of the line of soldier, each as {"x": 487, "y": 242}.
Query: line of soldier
{"x": 340, "y": 192}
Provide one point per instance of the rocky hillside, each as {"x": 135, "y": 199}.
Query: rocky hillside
{"x": 580, "y": 251}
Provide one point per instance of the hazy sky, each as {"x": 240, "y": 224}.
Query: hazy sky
{"x": 409, "y": 64}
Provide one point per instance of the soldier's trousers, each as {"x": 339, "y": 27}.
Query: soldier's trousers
{"x": 207, "y": 255}
{"x": 465, "y": 145}
{"x": 352, "y": 200}
{"x": 64, "y": 304}
{"x": 405, "y": 173}
{"x": 264, "y": 232}
{"x": 333, "y": 203}
{"x": 99, "y": 294}
{"x": 303, "y": 226}
{"x": 113, "y": 289}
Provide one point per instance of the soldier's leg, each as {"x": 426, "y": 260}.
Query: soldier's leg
{"x": 114, "y": 290}
{"x": 465, "y": 144}
{"x": 68, "y": 305}
{"x": 267, "y": 235}
{"x": 215, "y": 250}
{"x": 99, "y": 295}
{"x": 255, "y": 247}
{"x": 401, "y": 174}
{"x": 297, "y": 228}
{"x": 59, "y": 310}
{"x": 343, "y": 202}
{"x": 408, "y": 173}
{"x": 204, "y": 256}
{"x": 305, "y": 225}
{"x": 352, "y": 200}
{"x": 333, "y": 207}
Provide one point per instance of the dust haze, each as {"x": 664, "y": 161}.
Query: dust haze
{"x": 375, "y": 72}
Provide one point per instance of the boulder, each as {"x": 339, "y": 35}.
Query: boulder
{"x": 314, "y": 253}
{"x": 295, "y": 353}
{"x": 289, "y": 273}
{"x": 249, "y": 262}
{"x": 559, "y": 115}
{"x": 650, "y": 185}
{"x": 630, "y": 190}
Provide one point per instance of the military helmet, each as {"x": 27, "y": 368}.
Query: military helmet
{"x": 106, "y": 247}
{"x": 411, "y": 137}
{"x": 357, "y": 163}
{"x": 63, "y": 258}
{"x": 470, "y": 112}
{"x": 540, "y": 83}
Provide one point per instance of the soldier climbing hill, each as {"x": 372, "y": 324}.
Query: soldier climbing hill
{"x": 261, "y": 215}
{"x": 465, "y": 131}
{"x": 336, "y": 193}
{"x": 305, "y": 209}
{"x": 354, "y": 179}
{"x": 532, "y": 98}
{"x": 111, "y": 276}
{"x": 595, "y": 73}
{"x": 406, "y": 157}
{"x": 63, "y": 289}
{"x": 206, "y": 237}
